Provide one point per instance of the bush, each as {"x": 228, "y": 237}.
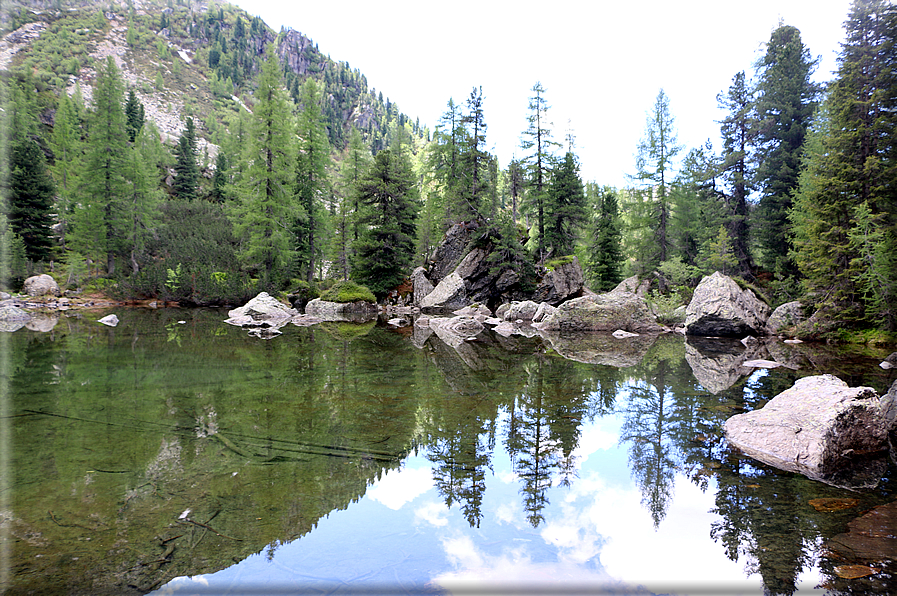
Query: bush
{"x": 348, "y": 291}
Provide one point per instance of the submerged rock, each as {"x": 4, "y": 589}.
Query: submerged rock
{"x": 820, "y": 428}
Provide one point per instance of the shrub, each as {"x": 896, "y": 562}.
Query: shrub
{"x": 348, "y": 291}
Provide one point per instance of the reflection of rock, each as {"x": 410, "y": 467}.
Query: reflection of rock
{"x": 604, "y": 312}
{"x": 820, "y": 428}
{"x": 13, "y": 318}
{"x": 42, "y": 322}
{"x": 455, "y": 331}
{"x": 359, "y": 311}
{"x": 870, "y": 537}
{"x": 719, "y": 308}
{"x": 601, "y": 348}
{"x": 716, "y": 362}
{"x": 110, "y": 320}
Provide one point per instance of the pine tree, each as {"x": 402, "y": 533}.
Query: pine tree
{"x": 355, "y": 163}
{"x": 785, "y": 103}
{"x": 186, "y": 180}
{"x": 654, "y": 173}
{"x": 311, "y": 179}
{"x": 385, "y": 250}
{"x": 31, "y": 199}
{"x": 537, "y": 140}
{"x": 265, "y": 212}
{"x": 474, "y": 160}
{"x": 565, "y": 207}
{"x": 605, "y": 265}
{"x": 134, "y": 115}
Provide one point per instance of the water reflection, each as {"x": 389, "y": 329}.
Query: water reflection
{"x": 161, "y": 449}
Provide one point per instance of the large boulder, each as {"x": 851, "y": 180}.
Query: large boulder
{"x": 786, "y": 315}
{"x": 524, "y": 310}
{"x": 603, "y": 312}
{"x": 821, "y": 428}
{"x": 448, "y": 293}
{"x": 421, "y": 284}
{"x": 560, "y": 284}
{"x": 263, "y": 308}
{"x": 41, "y": 285}
{"x": 719, "y": 308}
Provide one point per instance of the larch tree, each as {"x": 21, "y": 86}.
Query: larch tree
{"x": 265, "y": 213}
{"x": 68, "y": 150}
{"x": 654, "y": 161}
{"x": 313, "y": 157}
{"x": 538, "y": 146}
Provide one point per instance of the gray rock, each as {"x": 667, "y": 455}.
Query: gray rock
{"x": 889, "y": 362}
{"x": 421, "y": 284}
{"x": 632, "y": 285}
{"x": 560, "y": 284}
{"x": 521, "y": 310}
{"x": 620, "y": 334}
{"x": 13, "y": 318}
{"x": 786, "y": 315}
{"x": 889, "y": 413}
{"x": 41, "y": 285}
{"x": 604, "y": 312}
{"x": 449, "y": 293}
{"x": 820, "y": 428}
{"x": 719, "y": 308}
{"x": 451, "y": 250}
{"x": 473, "y": 310}
{"x": 454, "y": 331}
{"x": 545, "y": 310}
{"x": 264, "y": 308}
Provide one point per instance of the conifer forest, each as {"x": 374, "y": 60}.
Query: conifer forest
{"x": 287, "y": 173}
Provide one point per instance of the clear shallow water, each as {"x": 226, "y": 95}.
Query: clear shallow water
{"x": 190, "y": 458}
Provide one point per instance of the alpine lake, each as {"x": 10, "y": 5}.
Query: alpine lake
{"x": 175, "y": 454}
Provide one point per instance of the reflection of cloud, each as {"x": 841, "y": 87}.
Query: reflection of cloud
{"x": 398, "y": 487}
{"x": 479, "y": 572}
{"x": 433, "y": 513}
{"x": 601, "y": 435}
{"x": 184, "y": 585}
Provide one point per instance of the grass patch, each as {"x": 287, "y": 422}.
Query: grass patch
{"x": 348, "y": 291}
{"x": 559, "y": 262}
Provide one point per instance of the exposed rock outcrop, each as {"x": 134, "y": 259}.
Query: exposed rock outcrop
{"x": 719, "y": 308}
{"x": 559, "y": 284}
{"x": 41, "y": 285}
{"x": 820, "y": 428}
{"x": 786, "y": 315}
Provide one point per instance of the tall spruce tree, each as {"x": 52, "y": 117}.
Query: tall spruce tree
{"x": 785, "y": 103}
{"x": 851, "y": 163}
{"x": 385, "y": 250}
{"x": 474, "y": 160}
{"x": 737, "y": 130}
{"x": 538, "y": 146}
{"x": 186, "y": 180}
{"x": 565, "y": 207}
{"x": 265, "y": 211}
{"x": 311, "y": 180}
{"x": 134, "y": 115}
{"x": 651, "y": 206}
{"x": 605, "y": 265}
{"x": 31, "y": 199}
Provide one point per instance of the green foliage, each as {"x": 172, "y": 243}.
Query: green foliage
{"x": 605, "y": 254}
{"x": 186, "y": 181}
{"x": 553, "y": 264}
{"x": 538, "y": 145}
{"x": 13, "y": 262}
{"x": 345, "y": 291}
{"x": 31, "y": 199}
{"x": 667, "y": 308}
{"x": 565, "y": 206}
{"x": 680, "y": 274}
{"x": 717, "y": 253}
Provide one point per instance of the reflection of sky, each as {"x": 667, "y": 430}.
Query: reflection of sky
{"x": 596, "y": 533}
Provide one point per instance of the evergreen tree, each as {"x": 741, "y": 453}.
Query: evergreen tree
{"x": 265, "y": 212}
{"x": 311, "y": 179}
{"x": 134, "y": 115}
{"x": 68, "y": 151}
{"x": 140, "y": 210}
{"x": 385, "y": 250}
{"x": 355, "y": 163}
{"x": 515, "y": 186}
{"x": 31, "y": 199}
{"x": 785, "y": 103}
{"x": 654, "y": 173}
{"x": 605, "y": 265}
{"x": 186, "y": 180}
{"x": 737, "y": 133}
{"x": 444, "y": 162}
{"x": 850, "y": 161}
{"x": 565, "y": 207}
{"x": 537, "y": 141}
{"x": 220, "y": 179}
{"x": 474, "y": 160}
{"x": 103, "y": 182}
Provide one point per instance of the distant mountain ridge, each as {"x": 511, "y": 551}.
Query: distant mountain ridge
{"x": 187, "y": 59}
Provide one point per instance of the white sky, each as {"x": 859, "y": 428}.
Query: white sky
{"x": 601, "y": 63}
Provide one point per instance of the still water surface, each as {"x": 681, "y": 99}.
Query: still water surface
{"x": 175, "y": 454}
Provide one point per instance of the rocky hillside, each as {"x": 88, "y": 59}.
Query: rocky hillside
{"x": 199, "y": 59}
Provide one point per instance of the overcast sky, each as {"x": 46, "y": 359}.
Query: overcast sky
{"x": 600, "y": 63}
